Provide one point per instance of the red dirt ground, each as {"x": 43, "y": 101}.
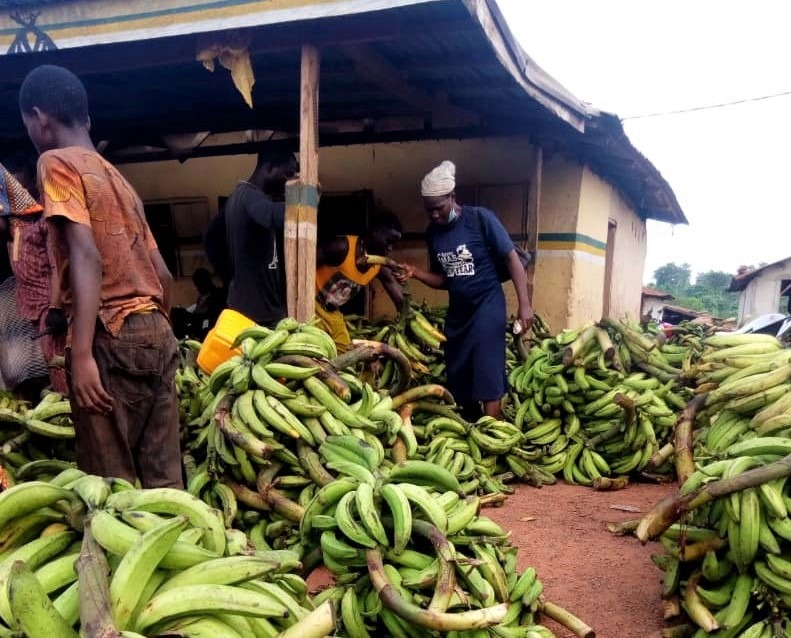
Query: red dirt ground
{"x": 608, "y": 581}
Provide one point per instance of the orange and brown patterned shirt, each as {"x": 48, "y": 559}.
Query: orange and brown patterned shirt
{"x": 27, "y": 250}
{"x": 79, "y": 185}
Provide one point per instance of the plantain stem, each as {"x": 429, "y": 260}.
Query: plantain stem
{"x": 444, "y": 587}
{"x": 398, "y": 357}
{"x": 671, "y": 607}
{"x": 627, "y": 405}
{"x": 567, "y": 619}
{"x": 683, "y": 444}
{"x": 573, "y": 350}
{"x": 279, "y": 502}
{"x": 353, "y": 356}
{"x": 624, "y": 528}
{"x": 495, "y": 500}
{"x": 660, "y": 457}
{"x": 92, "y": 571}
{"x": 673, "y": 506}
{"x": 399, "y": 449}
{"x": 606, "y": 484}
{"x": 246, "y": 496}
{"x": 605, "y": 343}
{"x": 697, "y": 611}
{"x": 462, "y": 621}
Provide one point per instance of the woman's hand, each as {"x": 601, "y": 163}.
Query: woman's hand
{"x": 403, "y": 273}
{"x": 525, "y": 316}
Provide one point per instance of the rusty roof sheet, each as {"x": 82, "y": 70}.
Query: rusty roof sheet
{"x": 739, "y": 282}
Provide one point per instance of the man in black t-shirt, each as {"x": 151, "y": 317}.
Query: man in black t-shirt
{"x": 252, "y": 220}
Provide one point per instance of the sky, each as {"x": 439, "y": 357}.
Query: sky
{"x": 730, "y": 167}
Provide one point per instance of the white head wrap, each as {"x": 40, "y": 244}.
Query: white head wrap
{"x": 440, "y": 181}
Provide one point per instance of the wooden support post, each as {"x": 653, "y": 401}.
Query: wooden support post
{"x": 302, "y": 197}
{"x": 533, "y": 210}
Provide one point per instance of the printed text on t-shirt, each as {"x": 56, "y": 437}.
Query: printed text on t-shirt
{"x": 457, "y": 263}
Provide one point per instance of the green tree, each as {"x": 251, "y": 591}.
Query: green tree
{"x": 714, "y": 280}
{"x": 709, "y": 293}
{"x": 672, "y": 278}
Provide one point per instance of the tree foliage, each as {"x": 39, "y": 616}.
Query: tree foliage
{"x": 672, "y": 278}
{"x": 708, "y": 293}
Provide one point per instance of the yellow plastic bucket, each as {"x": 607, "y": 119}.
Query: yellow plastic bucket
{"x": 216, "y": 347}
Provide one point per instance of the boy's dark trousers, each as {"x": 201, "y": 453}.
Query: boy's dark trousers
{"x": 140, "y": 437}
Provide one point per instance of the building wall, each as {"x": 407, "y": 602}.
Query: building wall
{"x": 652, "y": 307}
{"x": 631, "y": 245}
{"x": 575, "y": 206}
{"x": 559, "y": 210}
{"x": 762, "y": 294}
{"x": 392, "y": 171}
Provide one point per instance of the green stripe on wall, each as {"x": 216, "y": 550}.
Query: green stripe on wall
{"x": 573, "y": 237}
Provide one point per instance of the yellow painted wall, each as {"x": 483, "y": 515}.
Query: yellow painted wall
{"x": 559, "y": 209}
{"x": 631, "y": 244}
{"x": 586, "y": 299}
{"x": 576, "y": 200}
{"x": 600, "y": 205}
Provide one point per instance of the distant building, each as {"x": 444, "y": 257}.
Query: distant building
{"x": 653, "y": 303}
{"x": 677, "y": 314}
{"x": 763, "y": 290}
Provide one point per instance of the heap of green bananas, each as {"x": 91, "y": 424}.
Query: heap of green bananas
{"x": 729, "y": 563}
{"x": 598, "y": 401}
{"x": 418, "y": 333}
{"x": 482, "y": 454}
{"x": 392, "y": 538}
{"x": 254, "y": 428}
{"x": 173, "y": 567}
{"x": 41, "y": 432}
{"x": 177, "y": 568}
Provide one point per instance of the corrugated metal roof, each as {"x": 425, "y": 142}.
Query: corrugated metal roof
{"x": 453, "y": 66}
{"x": 740, "y": 281}
{"x": 658, "y": 294}
{"x": 28, "y": 4}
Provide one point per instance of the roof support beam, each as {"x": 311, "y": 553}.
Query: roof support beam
{"x": 302, "y": 197}
{"x": 339, "y": 139}
{"x": 378, "y": 71}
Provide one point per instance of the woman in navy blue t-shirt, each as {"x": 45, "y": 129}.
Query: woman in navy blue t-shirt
{"x": 463, "y": 243}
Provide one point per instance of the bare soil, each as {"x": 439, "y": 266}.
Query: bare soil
{"x": 608, "y": 581}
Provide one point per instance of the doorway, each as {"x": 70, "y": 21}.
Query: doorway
{"x": 612, "y": 227}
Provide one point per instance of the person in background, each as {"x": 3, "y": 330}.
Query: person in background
{"x": 341, "y": 273}
{"x": 36, "y": 285}
{"x": 208, "y": 305}
{"x": 250, "y": 249}
{"x": 22, "y": 366}
{"x": 115, "y": 287}
{"x": 462, "y": 251}
{"x": 215, "y": 245}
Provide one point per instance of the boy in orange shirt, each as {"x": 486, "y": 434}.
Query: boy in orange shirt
{"x": 115, "y": 288}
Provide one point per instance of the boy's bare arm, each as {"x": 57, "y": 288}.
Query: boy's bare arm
{"x": 392, "y": 287}
{"x": 85, "y": 284}
{"x": 165, "y": 279}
